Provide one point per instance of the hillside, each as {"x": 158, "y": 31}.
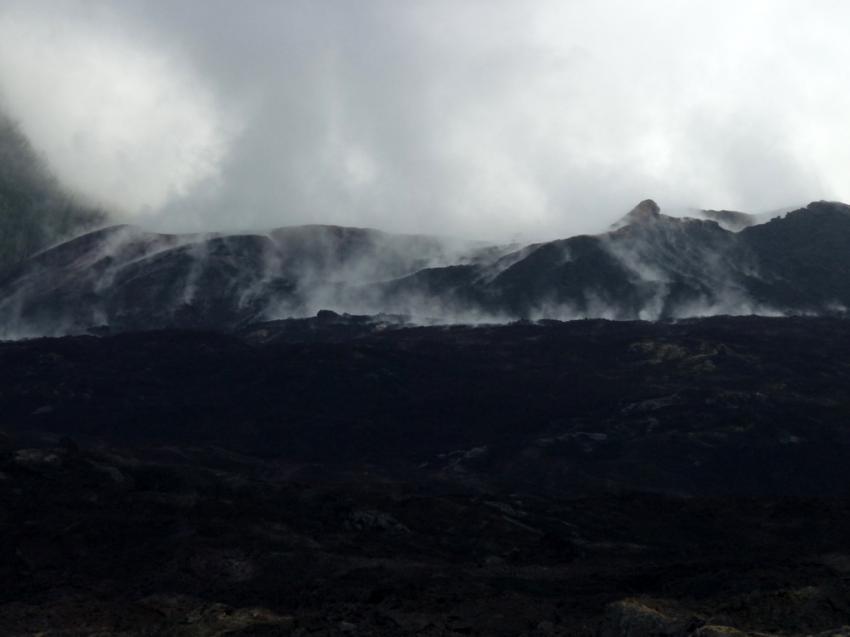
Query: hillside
{"x": 650, "y": 266}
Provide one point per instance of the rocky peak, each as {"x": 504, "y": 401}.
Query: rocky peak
{"x": 646, "y": 211}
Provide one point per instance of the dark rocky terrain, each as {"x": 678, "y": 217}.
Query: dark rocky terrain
{"x": 649, "y": 266}
{"x": 357, "y": 475}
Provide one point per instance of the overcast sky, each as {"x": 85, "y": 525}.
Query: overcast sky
{"x": 482, "y": 118}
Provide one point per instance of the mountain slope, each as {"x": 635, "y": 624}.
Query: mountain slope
{"x": 803, "y": 258}
{"x": 130, "y": 279}
{"x": 649, "y": 266}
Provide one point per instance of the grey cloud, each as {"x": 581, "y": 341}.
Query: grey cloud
{"x": 486, "y": 119}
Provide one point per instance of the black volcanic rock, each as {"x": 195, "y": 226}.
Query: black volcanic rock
{"x": 747, "y": 405}
{"x": 592, "y": 478}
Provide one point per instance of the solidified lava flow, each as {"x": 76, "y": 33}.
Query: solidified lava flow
{"x": 348, "y": 475}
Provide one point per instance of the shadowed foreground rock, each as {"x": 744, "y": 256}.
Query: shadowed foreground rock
{"x": 343, "y": 476}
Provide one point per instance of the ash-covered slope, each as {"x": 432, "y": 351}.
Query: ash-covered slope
{"x": 652, "y": 266}
{"x": 648, "y": 266}
{"x": 130, "y": 279}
